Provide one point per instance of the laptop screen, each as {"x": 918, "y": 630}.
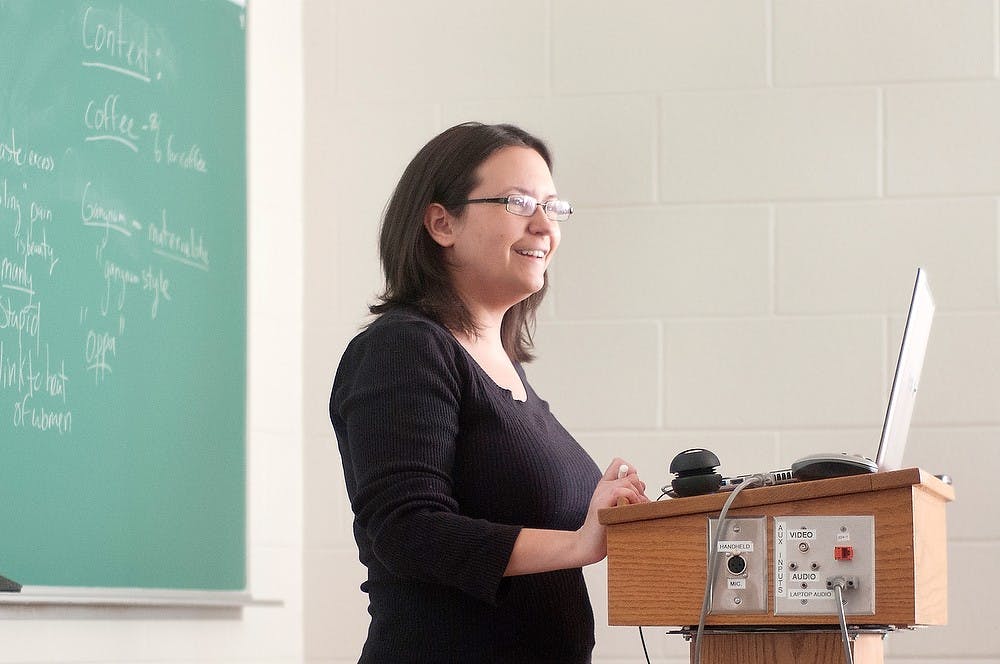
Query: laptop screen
{"x": 906, "y": 380}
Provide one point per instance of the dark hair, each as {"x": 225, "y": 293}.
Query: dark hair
{"x": 444, "y": 171}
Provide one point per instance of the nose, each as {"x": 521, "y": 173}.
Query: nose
{"x": 539, "y": 223}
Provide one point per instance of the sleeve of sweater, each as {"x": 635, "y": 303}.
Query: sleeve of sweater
{"x": 398, "y": 395}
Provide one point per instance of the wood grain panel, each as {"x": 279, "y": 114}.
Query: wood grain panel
{"x": 657, "y": 553}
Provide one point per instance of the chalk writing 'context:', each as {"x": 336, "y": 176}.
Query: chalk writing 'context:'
{"x": 115, "y": 44}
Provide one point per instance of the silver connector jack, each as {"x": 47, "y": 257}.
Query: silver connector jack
{"x": 843, "y": 582}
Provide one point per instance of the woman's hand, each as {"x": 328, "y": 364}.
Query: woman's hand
{"x": 538, "y": 550}
{"x": 614, "y": 485}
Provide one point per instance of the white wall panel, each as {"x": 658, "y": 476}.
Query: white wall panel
{"x": 683, "y": 261}
{"x": 753, "y": 374}
{"x": 943, "y": 139}
{"x": 631, "y": 46}
{"x": 604, "y": 147}
{"x": 854, "y": 41}
{"x": 862, "y": 257}
{"x": 778, "y": 144}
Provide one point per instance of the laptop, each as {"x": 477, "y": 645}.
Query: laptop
{"x": 898, "y": 413}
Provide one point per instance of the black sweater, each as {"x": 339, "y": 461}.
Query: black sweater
{"x": 443, "y": 469}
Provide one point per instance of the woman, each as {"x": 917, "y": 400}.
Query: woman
{"x": 474, "y": 509}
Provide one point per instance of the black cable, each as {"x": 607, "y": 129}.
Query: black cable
{"x": 643, "y": 639}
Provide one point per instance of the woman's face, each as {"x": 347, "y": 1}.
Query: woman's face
{"x": 499, "y": 258}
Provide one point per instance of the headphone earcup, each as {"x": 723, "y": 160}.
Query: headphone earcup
{"x": 694, "y": 473}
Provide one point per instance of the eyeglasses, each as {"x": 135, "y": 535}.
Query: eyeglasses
{"x": 525, "y": 206}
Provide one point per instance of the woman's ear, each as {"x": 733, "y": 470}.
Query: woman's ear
{"x": 440, "y": 224}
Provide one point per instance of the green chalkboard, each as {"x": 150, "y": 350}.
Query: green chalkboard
{"x": 123, "y": 293}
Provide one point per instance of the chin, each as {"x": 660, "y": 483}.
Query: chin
{"x": 535, "y": 287}
{"x": 523, "y": 294}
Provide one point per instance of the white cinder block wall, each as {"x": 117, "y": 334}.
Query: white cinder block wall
{"x": 755, "y": 183}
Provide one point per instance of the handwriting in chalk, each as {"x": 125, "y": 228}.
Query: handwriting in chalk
{"x": 11, "y": 153}
{"x": 188, "y": 248}
{"x": 117, "y": 45}
{"x": 100, "y": 349}
{"x": 166, "y": 151}
{"x": 106, "y": 122}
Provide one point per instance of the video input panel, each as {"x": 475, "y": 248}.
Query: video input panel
{"x": 815, "y": 555}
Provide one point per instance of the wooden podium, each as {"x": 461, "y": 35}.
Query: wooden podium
{"x": 657, "y": 566}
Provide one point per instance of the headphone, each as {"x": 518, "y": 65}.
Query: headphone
{"x": 694, "y": 473}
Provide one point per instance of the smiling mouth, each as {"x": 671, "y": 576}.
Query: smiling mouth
{"x": 531, "y": 253}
